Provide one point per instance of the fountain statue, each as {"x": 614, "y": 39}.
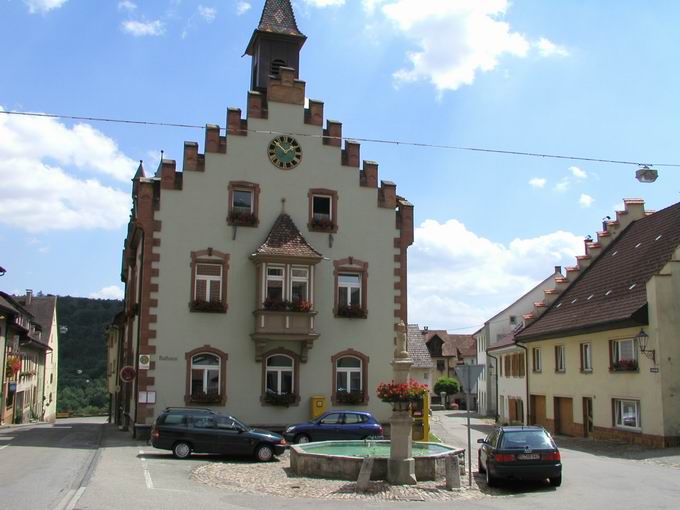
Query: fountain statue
{"x": 401, "y": 465}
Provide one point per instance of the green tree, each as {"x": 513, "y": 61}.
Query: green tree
{"x": 446, "y": 385}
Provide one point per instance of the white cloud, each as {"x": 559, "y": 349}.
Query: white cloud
{"x": 207, "y": 13}
{"x": 43, "y": 195}
{"x": 455, "y": 40}
{"x": 538, "y": 182}
{"x": 242, "y": 7}
{"x": 370, "y": 5}
{"x": 457, "y": 278}
{"x": 110, "y": 292}
{"x": 585, "y": 200}
{"x": 126, "y": 5}
{"x": 43, "y": 6}
{"x": 143, "y": 28}
{"x": 547, "y": 48}
{"x": 578, "y": 172}
{"x": 324, "y": 3}
{"x": 563, "y": 185}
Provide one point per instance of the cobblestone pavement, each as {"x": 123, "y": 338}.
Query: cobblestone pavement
{"x": 276, "y": 479}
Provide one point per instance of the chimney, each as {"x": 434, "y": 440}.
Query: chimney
{"x": 425, "y": 329}
{"x": 558, "y": 270}
{"x": 29, "y": 296}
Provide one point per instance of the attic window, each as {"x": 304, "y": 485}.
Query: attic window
{"x": 632, "y": 286}
{"x": 638, "y": 245}
{"x": 558, "y": 305}
{"x": 613, "y": 254}
{"x": 590, "y": 297}
{"x": 277, "y": 64}
{"x": 608, "y": 292}
{"x": 574, "y": 301}
{"x": 658, "y": 237}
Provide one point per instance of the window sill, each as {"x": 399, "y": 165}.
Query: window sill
{"x": 237, "y": 221}
{"x": 628, "y": 429}
{"x": 586, "y": 370}
{"x": 344, "y": 401}
{"x": 294, "y": 402}
{"x": 207, "y": 307}
{"x": 351, "y": 313}
{"x": 624, "y": 370}
{"x": 219, "y": 401}
{"x": 560, "y": 371}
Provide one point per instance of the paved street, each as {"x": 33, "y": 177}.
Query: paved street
{"x": 128, "y": 474}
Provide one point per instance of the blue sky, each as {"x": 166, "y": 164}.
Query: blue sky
{"x": 594, "y": 79}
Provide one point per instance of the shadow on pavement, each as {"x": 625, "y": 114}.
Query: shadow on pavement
{"x": 615, "y": 449}
{"x": 83, "y": 436}
{"x": 512, "y": 487}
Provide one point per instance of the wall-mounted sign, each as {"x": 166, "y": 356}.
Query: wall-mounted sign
{"x": 144, "y": 361}
{"x": 654, "y": 370}
{"x": 167, "y": 358}
{"x": 147, "y": 397}
{"x": 128, "y": 374}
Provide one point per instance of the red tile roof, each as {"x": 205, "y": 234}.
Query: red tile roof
{"x": 612, "y": 290}
{"x": 285, "y": 240}
{"x": 278, "y": 17}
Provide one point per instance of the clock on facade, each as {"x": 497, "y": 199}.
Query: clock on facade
{"x": 284, "y": 152}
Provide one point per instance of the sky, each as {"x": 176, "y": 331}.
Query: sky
{"x": 577, "y": 78}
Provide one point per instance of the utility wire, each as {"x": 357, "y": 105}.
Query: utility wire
{"x": 367, "y": 140}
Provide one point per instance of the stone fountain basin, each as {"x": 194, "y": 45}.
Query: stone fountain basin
{"x": 342, "y": 460}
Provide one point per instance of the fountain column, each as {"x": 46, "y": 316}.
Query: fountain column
{"x": 401, "y": 466}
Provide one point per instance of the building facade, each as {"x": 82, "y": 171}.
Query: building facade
{"x": 271, "y": 269}
{"x": 602, "y": 355}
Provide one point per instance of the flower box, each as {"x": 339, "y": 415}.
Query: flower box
{"x": 352, "y": 312}
{"x": 411, "y": 391}
{"x": 207, "y": 306}
{"x": 349, "y": 397}
{"x": 278, "y": 305}
{"x": 279, "y": 399}
{"x": 625, "y": 365}
{"x": 206, "y": 398}
{"x": 322, "y": 225}
{"x": 242, "y": 219}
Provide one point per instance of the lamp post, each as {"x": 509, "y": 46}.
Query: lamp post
{"x": 2, "y": 271}
{"x": 646, "y": 175}
{"x": 643, "y": 339}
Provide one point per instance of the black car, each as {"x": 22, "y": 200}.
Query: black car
{"x": 189, "y": 430}
{"x": 336, "y": 425}
{"x": 520, "y": 453}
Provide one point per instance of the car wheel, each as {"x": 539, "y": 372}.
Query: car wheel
{"x": 181, "y": 450}
{"x": 302, "y": 439}
{"x": 479, "y": 463}
{"x": 556, "y": 481}
{"x": 264, "y": 453}
{"x": 490, "y": 479}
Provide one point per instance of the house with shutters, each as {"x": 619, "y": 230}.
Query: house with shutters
{"x": 270, "y": 269}
{"x": 603, "y": 345}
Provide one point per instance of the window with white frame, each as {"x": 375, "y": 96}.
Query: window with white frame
{"x": 586, "y": 357}
{"x": 208, "y": 282}
{"x": 299, "y": 284}
{"x": 242, "y": 201}
{"x": 348, "y": 375}
{"x": 279, "y": 375}
{"x": 624, "y": 354}
{"x": 274, "y": 283}
{"x": 536, "y": 355}
{"x": 349, "y": 289}
{"x": 205, "y": 376}
{"x": 627, "y": 414}
{"x": 560, "y": 362}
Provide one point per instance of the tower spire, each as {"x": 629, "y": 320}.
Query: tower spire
{"x": 275, "y": 43}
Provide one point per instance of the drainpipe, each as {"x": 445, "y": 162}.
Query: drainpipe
{"x": 139, "y": 333}
{"x": 495, "y": 376}
{"x": 526, "y": 376}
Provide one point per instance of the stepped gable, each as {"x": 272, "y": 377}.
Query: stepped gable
{"x": 285, "y": 240}
{"x": 612, "y": 289}
{"x": 417, "y": 348}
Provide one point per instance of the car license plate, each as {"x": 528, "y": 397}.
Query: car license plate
{"x": 528, "y": 456}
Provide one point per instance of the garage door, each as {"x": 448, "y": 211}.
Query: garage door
{"x": 538, "y": 410}
{"x": 564, "y": 416}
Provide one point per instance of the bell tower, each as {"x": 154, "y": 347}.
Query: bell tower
{"x": 275, "y": 43}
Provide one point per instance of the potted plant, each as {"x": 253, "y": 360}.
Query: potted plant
{"x": 279, "y": 399}
{"x": 322, "y": 224}
{"x": 401, "y": 395}
{"x": 242, "y": 218}
{"x": 275, "y": 304}
{"x": 349, "y": 397}
{"x": 198, "y": 305}
{"x": 623, "y": 365}
{"x": 352, "y": 312}
{"x": 300, "y": 305}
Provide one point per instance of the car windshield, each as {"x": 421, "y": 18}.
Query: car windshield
{"x": 238, "y": 423}
{"x": 534, "y": 439}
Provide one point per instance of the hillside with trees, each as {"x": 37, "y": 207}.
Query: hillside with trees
{"x": 82, "y": 354}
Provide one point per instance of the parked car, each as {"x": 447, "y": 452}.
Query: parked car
{"x": 335, "y": 425}
{"x": 520, "y": 453}
{"x": 188, "y": 430}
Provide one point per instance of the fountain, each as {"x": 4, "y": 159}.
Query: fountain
{"x": 400, "y": 461}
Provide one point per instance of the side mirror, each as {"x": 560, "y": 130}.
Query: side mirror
{"x": 481, "y": 441}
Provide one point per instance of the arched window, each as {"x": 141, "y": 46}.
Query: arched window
{"x": 205, "y": 378}
{"x": 277, "y": 64}
{"x": 279, "y": 375}
{"x": 348, "y": 375}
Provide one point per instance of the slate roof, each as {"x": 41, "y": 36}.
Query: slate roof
{"x": 611, "y": 291}
{"x": 417, "y": 348}
{"x": 278, "y": 17}
{"x": 7, "y": 303}
{"x": 285, "y": 240}
{"x": 43, "y": 309}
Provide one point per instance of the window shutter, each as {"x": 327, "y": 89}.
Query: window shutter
{"x": 214, "y": 291}
{"x": 611, "y": 354}
{"x": 522, "y": 365}
{"x": 557, "y": 355}
{"x": 201, "y": 290}
{"x": 582, "y": 346}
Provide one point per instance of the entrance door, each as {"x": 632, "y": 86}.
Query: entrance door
{"x": 564, "y": 416}
{"x": 587, "y": 417}
{"x": 538, "y": 410}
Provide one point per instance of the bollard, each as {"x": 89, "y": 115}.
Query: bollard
{"x": 452, "y": 472}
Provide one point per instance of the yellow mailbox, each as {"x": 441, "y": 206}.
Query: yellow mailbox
{"x": 420, "y": 411}
{"x": 318, "y": 405}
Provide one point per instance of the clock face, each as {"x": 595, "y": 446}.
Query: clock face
{"x": 284, "y": 152}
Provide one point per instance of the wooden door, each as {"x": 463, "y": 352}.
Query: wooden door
{"x": 564, "y": 416}
{"x": 537, "y": 403}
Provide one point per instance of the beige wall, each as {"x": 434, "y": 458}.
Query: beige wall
{"x": 508, "y": 386}
{"x": 194, "y": 218}
{"x": 51, "y": 370}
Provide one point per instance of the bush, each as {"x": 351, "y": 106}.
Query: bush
{"x": 446, "y": 385}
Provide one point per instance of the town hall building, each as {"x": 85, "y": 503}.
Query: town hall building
{"x": 270, "y": 270}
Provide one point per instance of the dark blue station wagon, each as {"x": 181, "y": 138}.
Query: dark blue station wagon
{"x": 334, "y": 425}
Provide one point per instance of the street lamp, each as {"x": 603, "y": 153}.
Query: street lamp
{"x": 646, "y": 174}
{"x": 2, "y": 271}
{"x": 642, "y": 339}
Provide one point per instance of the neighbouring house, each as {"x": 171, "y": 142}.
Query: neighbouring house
{"x": 271, "y": 269}
{"x": 115, "y": 351}
{"x": 422, "y": 367}
{"x": 23, "y": 364}
{"x": 510, "y": 359}
{"x": 44, "y": 311}
{"x": 493, "y": 331}
{"x": 603, "y": 353}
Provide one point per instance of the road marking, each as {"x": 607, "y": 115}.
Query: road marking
{"x": 3, "y": 447}
{"x": 65, "y": 500}
{"x": 75, "y": 499}
{"x": 147, "y": 474}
